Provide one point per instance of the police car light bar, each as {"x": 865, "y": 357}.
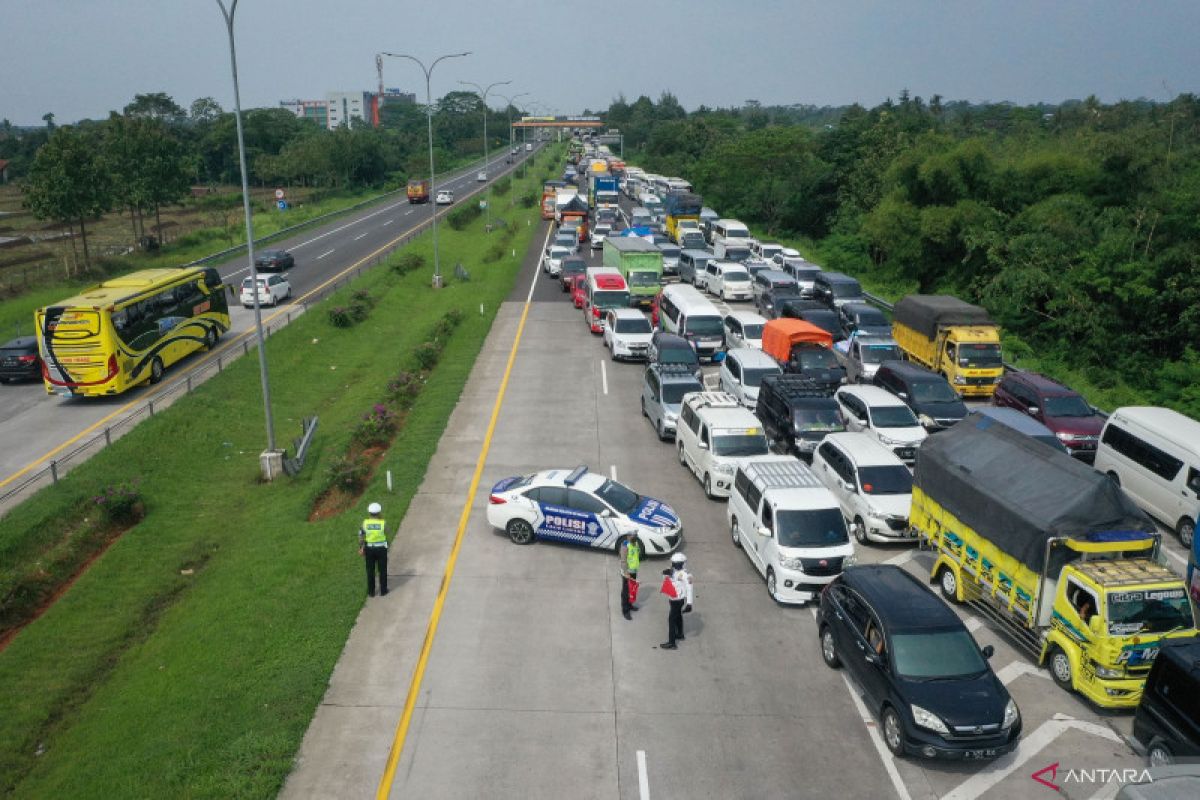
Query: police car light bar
{"x": 575, "y": 475}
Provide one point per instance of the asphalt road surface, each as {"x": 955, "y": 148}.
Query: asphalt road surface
{"x": 534, "y": 686}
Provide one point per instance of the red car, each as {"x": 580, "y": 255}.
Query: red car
{"x": 1062, "y": 410}
{"x": 578, "y": 289}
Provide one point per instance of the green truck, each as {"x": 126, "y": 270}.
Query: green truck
{"x": 640, "y": 264}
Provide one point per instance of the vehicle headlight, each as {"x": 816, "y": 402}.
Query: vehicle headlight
{"x": 791, "y": 563}
{"x": 1011, "y": 714}
{"x": 850, "y": 560}
{"x": 929, "y": 720}
{"x": 959, "y": 380}
{"x": 926, "y": 420}
{"x": 888, "y": 440}
{"x": 1066, "y": 437}
{"x": 1107, "y": 672}
{"x": 844, "y": 379}
{"x": 723, "y": 468}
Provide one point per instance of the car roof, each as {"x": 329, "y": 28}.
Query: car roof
{"x": 664, "y": 339}
{"x": 626, "y": 313}
{"x": 836, "y": 277}
{"x": 1045, "y": 385}
{"x": 859, "y": 308}
{"x": 776, "y": 275}
{"x": 872, "y": 395}
{"x": 747, "y": 316}
{"x": 864, "y": 450}
{"x": 912, "y": 372}
{"x": 899, "y": 598}
{"x": 751, "y": 357}
{"x": 588, "y": 482}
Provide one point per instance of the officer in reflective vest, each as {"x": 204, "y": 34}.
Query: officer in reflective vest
{"x": 373, "y": 547}
{"x": 630, "y": 554}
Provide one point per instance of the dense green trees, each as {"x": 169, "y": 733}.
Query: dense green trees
{"x": 1077, "y": 225}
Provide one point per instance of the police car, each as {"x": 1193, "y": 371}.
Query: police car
{"x": 581, "y": 507}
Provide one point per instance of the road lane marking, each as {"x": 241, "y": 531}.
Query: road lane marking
{"x": 603, "y": 376}
{"x": 435, "y": 615}
{"x": 406, "y": 213}
{"x": 643, "y": 780}
{"x": 326, "y": 253}
{"x": 361, "y": 235}
{"x": 901, "y": 558}
{"x": 613, "y": 470}
{"x": 885, "y": 755}
{"x": 1010, "y": 672}
{"x": 389, "y": 222}
{"x": 973, "y": 623}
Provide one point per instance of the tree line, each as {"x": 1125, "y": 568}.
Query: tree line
{"x": 1077, "y": 225}
{"x": 151, "y": 153}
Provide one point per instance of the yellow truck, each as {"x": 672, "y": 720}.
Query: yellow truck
{"x": 951, "y": 337}
{"x": 1052, "y": 552}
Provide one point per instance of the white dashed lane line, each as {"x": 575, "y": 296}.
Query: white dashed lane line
{"x": 361, "y": 235}
{"x": 389, "y": 222}
{"x": 326, "y": 253}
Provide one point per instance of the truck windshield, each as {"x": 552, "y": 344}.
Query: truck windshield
{"x": 928, "y": 656}
{"x": 893, "y": 417}
{"x": 705, "y": 326}
{"x": 1148, "y": 611}
{"x": 815, "y": 358}
{"x": 878, "y": 353}
{"x": 644, "y": 279}
{"x": 979, "y": 356}
{"x": 815, "y": 528}
{"x": 752, "y": 376}
{"x": 739, "y": 444}
{"x": 610, "y": 299}
{"x": 895, "y": 479}
{"x": 1067, "y": 406}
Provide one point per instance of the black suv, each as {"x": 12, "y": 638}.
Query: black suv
{"x": 797, "y": 413}
{"x": 864, "y": 318}
{"x": 1167, "y": 720}
{"x": 570, "y": 267}
{"x": 930, "y": 397}
{"x": 816, "y": 313}
{"x": 19, "y": 360}
{"x": 920, "y": 670}
{"x": 667, "y": 348}
{"x": 818, "y": 364}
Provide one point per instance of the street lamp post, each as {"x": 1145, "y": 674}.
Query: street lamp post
{"x": 483, "y": 93}
{"x": 512, "y": 196}
{"x": 437, "y": 264}
{"x": 228, "y": 13}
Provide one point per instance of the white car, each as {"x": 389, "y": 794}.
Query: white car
{"x": 871, "y": 484}
{"x": 444, "y": 198}
{"x": 552, "y": 261}
{"x": 744, "y": 329}
{"x": 598, "y": 233}
{"x": 271, "y": 290}
{"x": 742, "y": 372}
{"x": 481, "y": 177}
{"x": 627, "y": 334}
{"x": 713, "y": 435}
{"x": 883, "y": 416}
{"x": 729, "y": 280}
{"x": 583, "y": 508}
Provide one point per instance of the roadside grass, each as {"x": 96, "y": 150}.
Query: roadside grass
{"x": 189, "y": 659}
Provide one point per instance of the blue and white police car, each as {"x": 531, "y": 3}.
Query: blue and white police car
{"x": 581, "y": 507}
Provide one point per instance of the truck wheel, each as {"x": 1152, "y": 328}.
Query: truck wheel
{"x": 1187, "y": 531}
{"x": 949, "y": 583}
{"x": 1060, "y": 668}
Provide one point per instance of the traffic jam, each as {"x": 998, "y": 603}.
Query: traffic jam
{"x": 882, "y": 468}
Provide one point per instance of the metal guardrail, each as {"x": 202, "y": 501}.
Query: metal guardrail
{"x": 292, "y": 466}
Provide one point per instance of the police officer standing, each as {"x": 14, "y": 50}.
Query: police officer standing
{"x": 373, "y": 547}
{"x": 679, "y": 595}
{"x": 630, "y": 553}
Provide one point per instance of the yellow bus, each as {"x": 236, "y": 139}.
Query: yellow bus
{"x": 126, "y": 331}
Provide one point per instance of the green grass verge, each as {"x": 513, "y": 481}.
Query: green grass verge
{"x": 145, "y": 681}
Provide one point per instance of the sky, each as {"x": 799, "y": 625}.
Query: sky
{"x": 83, "y": 58}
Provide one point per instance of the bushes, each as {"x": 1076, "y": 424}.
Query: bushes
{"x": 464, "y": 215}
{"x": 121, "y": 503}
{"x": 427, "y": 354}
{"x": 378, "y": 426}
{"x": 408, "y": 262}
{"x": 361, "y": 303}
{"x": 349, "y": 473}
{"x": 502, "y": 186}
{"x": 529, "y": 200}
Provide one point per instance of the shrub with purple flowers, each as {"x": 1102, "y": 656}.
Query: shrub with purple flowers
{"x": 404, "y": 387}
{"x": 120, "y": 502}
{"x": 377, "y": 426}
{"x": 349, "y": 473}
{"x": 341, "y": 317}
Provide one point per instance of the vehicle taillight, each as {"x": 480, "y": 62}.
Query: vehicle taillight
{"x": 112, "y": 366}
{"x": 496, "y": 500}
{"x": 29, "y": 359}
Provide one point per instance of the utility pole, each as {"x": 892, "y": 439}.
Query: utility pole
{"x": 483, "y": 93}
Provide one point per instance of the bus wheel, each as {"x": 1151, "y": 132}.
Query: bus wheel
{"x": 210, "y": 339}
{"x": 156, "y": 370}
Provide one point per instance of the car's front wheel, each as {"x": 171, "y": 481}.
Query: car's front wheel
{"x": 893, "y": 732}
{"x": 828, "y": 649}
{"x": 519, "y": 530}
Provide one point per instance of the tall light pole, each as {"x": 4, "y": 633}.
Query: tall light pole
{"x": 512, "y": 196}
{"x": 228, "y": 13}
{"x": 483, "y": 93}
{"x": 437, "y": 264}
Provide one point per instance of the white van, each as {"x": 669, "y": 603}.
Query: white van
{"x": 790, "y": 527}
{"x": 714, "y": 434}
{"x": 1154, "y": 455}
{"x": 684, "y": 311}
{"x": 651, "y": 203}
{"x": 639, "y": 217}
{"x": 872, "y": 485}
{"x": 728, "y": 229}
{"x": 732, "y": 249}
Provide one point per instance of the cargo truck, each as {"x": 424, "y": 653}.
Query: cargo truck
{"x": 1053, "y": 552}
{"x": 681, "y": 205}
{"x": 640, "y": 264}
{"x": 603, "y": 191}
{"x": 951, "y": 337}
{"x": 573, "y": 208}
{"x": 418, "y": 191}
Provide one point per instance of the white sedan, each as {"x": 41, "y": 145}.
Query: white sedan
{"x": 599, "y": 233}
{"x": 444, "y": 198}
{"x": 271, "y": 290}
{"x": 552, "y": 261}
{"x": 583, "y": 508}
{"x": 481, "y": 177}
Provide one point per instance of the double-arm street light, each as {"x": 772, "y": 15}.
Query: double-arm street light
{"x": 437, "y": 264}
{"x": 227, "y": 13}
{"x": 508, "y": 107}
{"x": 483, "y": 93}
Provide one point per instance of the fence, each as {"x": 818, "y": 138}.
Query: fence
{"x": 210, "y": 365}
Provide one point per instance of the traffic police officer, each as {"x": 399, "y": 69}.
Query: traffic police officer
{"x": 630, "y": 554}
{"x": 679, "y": 597}
{"x": 373, "y": 546}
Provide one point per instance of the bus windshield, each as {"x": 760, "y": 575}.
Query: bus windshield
{"x": 610, "y": 299}
{"x": 705, "y": 326}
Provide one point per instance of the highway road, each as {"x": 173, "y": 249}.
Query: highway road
{"x": 531, "y": 683}
{"x": 34, "y": 425}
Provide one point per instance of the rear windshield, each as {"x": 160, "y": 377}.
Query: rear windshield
{"x": 72, "y": 324}
{"x": 737, "y": 253}
{"x": 814, "y": 528}
{"x": 677, "y": 355}
{"x": 933, "y": 392}
{"x": 752, "y": 331}
{"x": 815, "y": 358}
{"x": 847, "y": 289}
{"x": 818, "y": 419}
{"x": 739, "y": 444}
{"x": 878, "y": 353}
{"x": 752, "y": 376}
{"x": 669, "y": 251}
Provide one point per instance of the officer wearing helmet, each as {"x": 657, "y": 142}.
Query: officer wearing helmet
{"x": 373, "y": 547}
{"x": 679, "y": 597}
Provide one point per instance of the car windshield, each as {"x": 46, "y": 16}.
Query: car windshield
{"x": 1070, "y": 405}
{"x": 574, "y": 264}
{"x": 705, "y": 326}
{"x": 672, "y": 393}
{"x": 768, "y": 252}
{"x": 894, "y": 479}
{"x": 933, "y": 392}
{"x": 752, "y": 376}
{"x": 736, "y": 275}
{"x": 979, "y": 355}
{"x": 788, "y": 289}
{"x": 644, "y": 279}
{"x": 559, "y": 252}
{"x": 1148, "y": 611}
{"x": 610, "y": 299}
{"x": 944, "y": 654}
{"x": 892, "y": 417}
{"x": 677, "y": 355}
{"x": 739, "y": 444}
{"x": 637, "y": 324}
{"x": 847, "y": 289}
{"x": 878, "y": 353}
{"x": 818, "y": 419}
{"x": 752, "y": 330}
{"x": 870, "y": 318}
{"x": 815, "y": 358}
{"x": 622, "y": 498}
{"x": 813, "y": 528}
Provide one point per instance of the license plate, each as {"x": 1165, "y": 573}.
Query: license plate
{"x": 990, "y": 752}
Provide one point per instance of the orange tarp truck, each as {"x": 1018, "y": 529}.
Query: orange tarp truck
{"x": 781, "y": 335}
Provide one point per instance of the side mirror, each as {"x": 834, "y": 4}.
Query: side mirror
{"x": 763, "y": 530}
{"x": 702, "y": 445}
{"x": 902, "y": 395}
{"x": 874, "y": 658}
{"x": 987, "y": 651}
{"x": 1034, "y": 411}
{"x": 735, "y": 380}
{"x": 848, "y": 486}
{"x": 1096, "y": 625}
{"x": 604, "y": 512}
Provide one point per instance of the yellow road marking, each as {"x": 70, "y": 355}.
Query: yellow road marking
{"x": 153, "y": 393}
{"x": 435, "y": 616}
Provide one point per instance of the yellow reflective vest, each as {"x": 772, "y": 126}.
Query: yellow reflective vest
{"x": 374, "y": 532}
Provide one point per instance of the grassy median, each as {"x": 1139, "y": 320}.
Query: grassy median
{"x": 189, "y": 659}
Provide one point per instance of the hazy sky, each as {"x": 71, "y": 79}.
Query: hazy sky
{"x": 82, "y": 58}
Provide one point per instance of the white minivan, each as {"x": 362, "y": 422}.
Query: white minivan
{"x": 790, "y": 527}
{"x": 1154, "y": 455}
{"x": 743, "y": 370}
{"x": 728, "y": 280}
{"x": 714, "y": 434}
{"x": 872, "y": 485}
{"x": 883, "y": 416}
{"x": 682, "y": 310}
